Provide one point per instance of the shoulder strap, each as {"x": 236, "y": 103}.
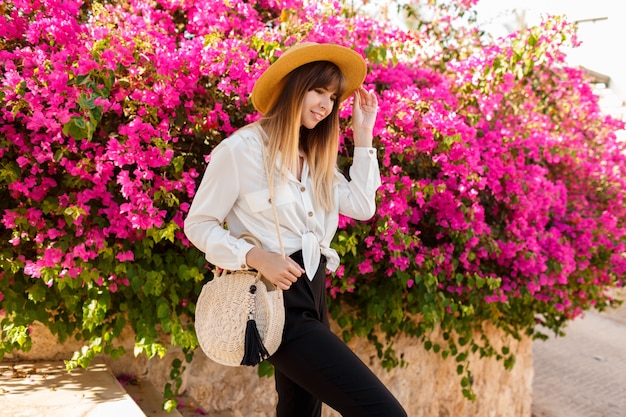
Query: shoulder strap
{"x": 266, "y": 164}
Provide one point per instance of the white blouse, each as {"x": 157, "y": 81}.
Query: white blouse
{"x": 234, "y": 191}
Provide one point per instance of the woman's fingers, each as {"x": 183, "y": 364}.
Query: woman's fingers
{"x": 366, "y": 98}
{"x": 357, "y": 97}
{"x": 296, "y": 267}
{"x": 290, "y": 274}
{"x": 284, "y": 285}
{"x": 365, "y": 102}
{"x": 280, "y": 271}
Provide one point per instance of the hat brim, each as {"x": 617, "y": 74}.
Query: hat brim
{"x": 270, "y": 84}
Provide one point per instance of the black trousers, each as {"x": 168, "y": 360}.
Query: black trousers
{"x": 313, "y": 366}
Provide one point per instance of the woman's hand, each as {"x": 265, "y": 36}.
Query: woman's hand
{"x": 364, "y": 111}
{"x": 280, "y": 271}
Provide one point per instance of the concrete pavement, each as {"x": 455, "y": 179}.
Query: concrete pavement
{"x": 46, "y": 389}
{"x": 584, "y": 373}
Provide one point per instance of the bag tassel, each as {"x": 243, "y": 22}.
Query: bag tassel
{"x": 254, "y": 351}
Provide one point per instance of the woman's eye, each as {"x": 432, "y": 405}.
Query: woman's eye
{"x": 322, "y": 91}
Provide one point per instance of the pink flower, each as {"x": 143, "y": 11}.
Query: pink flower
{"x": 366, "y": 267}
{"x": 125, "y": 256}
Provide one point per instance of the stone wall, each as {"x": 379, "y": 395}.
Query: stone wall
{"x": 427, "y": 387}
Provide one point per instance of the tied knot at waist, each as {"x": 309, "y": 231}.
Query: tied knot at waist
{"x": 311, "y": 254}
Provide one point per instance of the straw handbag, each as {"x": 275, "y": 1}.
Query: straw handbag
{"x": 239, "y": 318}
{"x": 240, "y": 315}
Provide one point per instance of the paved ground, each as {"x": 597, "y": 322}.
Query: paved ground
{"x": 47, "y": 389}
{"x": 584, "y": 373}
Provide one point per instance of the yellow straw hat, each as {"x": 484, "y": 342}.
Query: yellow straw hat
{"x": 270, "y": 84}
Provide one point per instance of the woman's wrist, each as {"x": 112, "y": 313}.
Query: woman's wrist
{"x": 363, "y": 139}
{"x": 253, "y": 256}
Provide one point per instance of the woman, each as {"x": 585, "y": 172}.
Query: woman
{"x": 297, "y": 137}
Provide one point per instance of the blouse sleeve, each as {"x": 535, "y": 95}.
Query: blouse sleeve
{"x": 215, "y": 197}
{"x": 357, "y": 197}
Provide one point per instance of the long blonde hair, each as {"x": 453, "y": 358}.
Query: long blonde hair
{"x": 287, "y": 137}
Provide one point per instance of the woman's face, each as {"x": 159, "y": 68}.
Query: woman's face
{"x": 317, "y": 105}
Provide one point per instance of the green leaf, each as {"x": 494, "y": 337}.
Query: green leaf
{"x": 76, "y": 128}
{"x": 170, "y": 405}
{"x": 163, "y": 309}
{"x": 81, "y": 79}
{"x": 136, "y": 283}
{"x": 86, "y": 103}
{"x": 96, "y": 114}
{"x": 509, "y": 362}
{"x": 265, "y": 369}
{"x": 37, "y": 292}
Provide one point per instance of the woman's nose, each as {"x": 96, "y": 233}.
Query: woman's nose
{"x": 326, "y": 103}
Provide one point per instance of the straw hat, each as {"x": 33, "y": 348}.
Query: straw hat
{"x": 270, "y": 84}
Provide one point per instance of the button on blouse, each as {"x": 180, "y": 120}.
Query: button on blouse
{"x": 234, "y": 191}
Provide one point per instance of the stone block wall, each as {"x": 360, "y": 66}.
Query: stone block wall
{"x": 428, "y": 387}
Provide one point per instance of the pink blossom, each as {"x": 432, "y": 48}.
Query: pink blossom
{"x": 366, "y": 267}
{"x": 125, "y": 256}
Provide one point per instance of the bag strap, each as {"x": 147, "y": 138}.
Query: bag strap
{"x": 266, "y": 164}
{"x": 280, "y": 239}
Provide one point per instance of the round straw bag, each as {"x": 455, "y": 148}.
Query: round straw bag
{"x": 239, "y": 317}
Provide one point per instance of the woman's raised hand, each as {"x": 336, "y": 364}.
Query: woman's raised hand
{"x": 364, "y": 111}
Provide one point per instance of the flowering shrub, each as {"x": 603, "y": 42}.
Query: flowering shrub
{"x": 502, "y": 196}
{"x": 502, "y": 200}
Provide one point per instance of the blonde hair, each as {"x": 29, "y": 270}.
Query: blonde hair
{"x": 286, "y": 136}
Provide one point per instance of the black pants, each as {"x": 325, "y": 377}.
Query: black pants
{"x": 313, "y": 366}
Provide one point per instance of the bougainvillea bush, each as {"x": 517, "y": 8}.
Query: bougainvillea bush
{"x": 502, "y": 200}
{"x": 502, "y": 197}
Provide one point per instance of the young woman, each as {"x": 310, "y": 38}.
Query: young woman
{"x": 297, "y": 138}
